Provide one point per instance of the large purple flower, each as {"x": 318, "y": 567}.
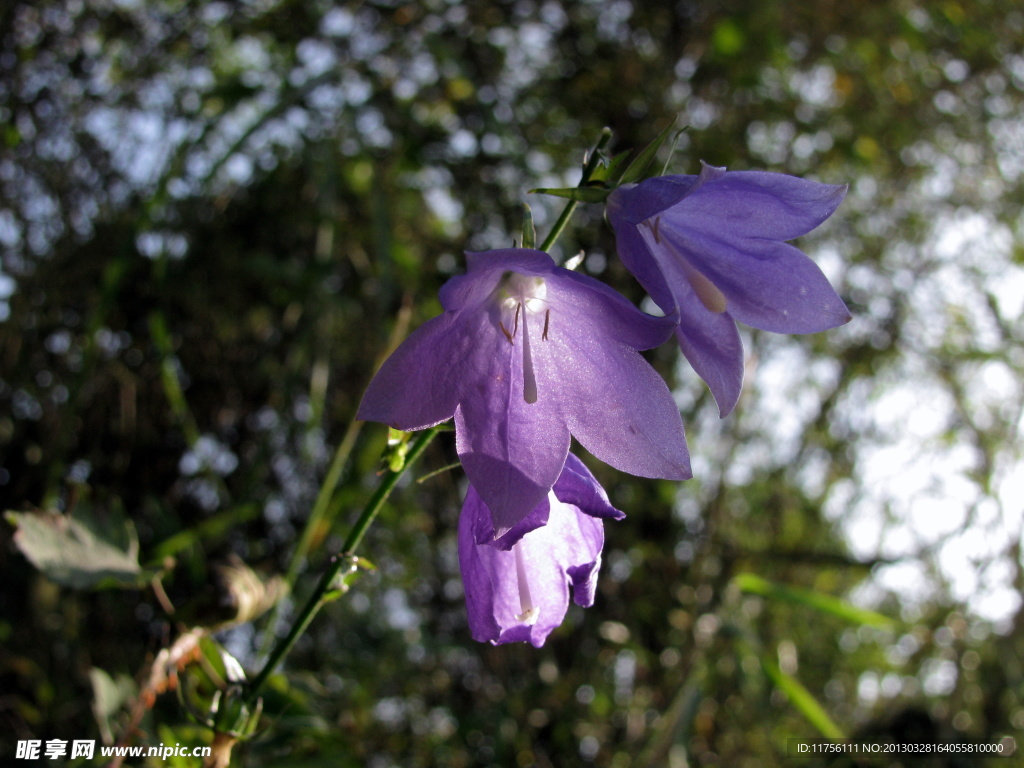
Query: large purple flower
{"x": 525, "y": 354}
{"x": 711, "y": 250}
{"x": 517, "y": 586}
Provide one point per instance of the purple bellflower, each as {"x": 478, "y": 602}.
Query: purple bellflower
{"x": 525, "y": 355}
{"x": 711, "y": 251}
{"x": 517, "y": 586}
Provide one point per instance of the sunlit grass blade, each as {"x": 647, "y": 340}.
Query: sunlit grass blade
{"x": 818, "y": 601}
{"x": 802, "y": 699}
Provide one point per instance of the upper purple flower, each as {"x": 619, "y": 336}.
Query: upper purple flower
{"x": 517, "y": 586}
{"x": 711, "y": 250}
{"x": 525, "y": 354}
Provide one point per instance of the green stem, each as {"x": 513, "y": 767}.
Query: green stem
{"x": 317, "y": 600}
{"x": 588, "y": 169}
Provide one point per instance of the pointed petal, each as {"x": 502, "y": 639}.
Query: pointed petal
{"x": 768, "y": 285}
{"x": 512, "y": 450}
{"x": 538, "y": 517}
{"x": 711, "y": 344}
{"x": 418, "y": 386}
{"x": 634, "y": 203}
{"x": 614, "y": 402}
{"x": 585, "y": 534}
{"x": 478, "y": 572}
{"x": 757, "y": 204}
{"x": 577, "y": 486}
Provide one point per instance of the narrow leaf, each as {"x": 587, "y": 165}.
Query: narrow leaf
{"x": 579, "y": 194}
{"x": 802, "y": 699}
{"x": 818, "y": 601}
{"x": 638, "y": 168}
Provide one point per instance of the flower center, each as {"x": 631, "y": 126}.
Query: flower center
{"x": 519, "y": 297}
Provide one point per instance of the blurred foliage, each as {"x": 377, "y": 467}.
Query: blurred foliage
{"x": 215, "y": 217}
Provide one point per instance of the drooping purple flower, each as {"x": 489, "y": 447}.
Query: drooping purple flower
{"x": 517, "y": 586}
{"x": 711, "y": 250}
{"x": 525, "y": 355}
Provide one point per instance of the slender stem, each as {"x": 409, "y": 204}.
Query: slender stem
{"x": 339, "y": 561}
{"x": 588, "y": 169}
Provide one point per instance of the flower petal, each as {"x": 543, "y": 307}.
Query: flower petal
{"x": 577, "y": 486}
{"x": 469, "y": 290}
{"x": 565, "y": 551}
{"x": 709, "y": 340}
{"x": 580, "y": 299}
{"x": 711, "y": 343}
{"x": 639, "y": 260}
{"x": 512, "y": 451}
{"x": 767, "y": 284}
{"x": 757, "y": 204}
{"x": 419, "y": 385}
{"x": 634, "y": 203}
{"x": 614, "y": 402}
{"x": 538, "y": 517}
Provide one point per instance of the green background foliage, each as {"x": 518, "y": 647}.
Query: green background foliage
{"x": 217, "y": 217}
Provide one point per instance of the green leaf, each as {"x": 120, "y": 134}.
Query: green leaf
{"x": 802, "y": 699}
{"x": 70, "y": 550}
{"x": 579, "y": 194}
{"x": 638, "y": 168}
{"x": 818, "y": 601}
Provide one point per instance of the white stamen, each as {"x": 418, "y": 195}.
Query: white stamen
{"x": 529, "y": 378}
{"x": 530, "y": 611}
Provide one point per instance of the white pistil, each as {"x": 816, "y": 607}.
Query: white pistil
{"x": 529, "y": 611}
{"x": 712, "y": 298}
{"x": 708, "y": 293}
{"x": 529, "y": 377}
{"x": 521, "y": 295}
